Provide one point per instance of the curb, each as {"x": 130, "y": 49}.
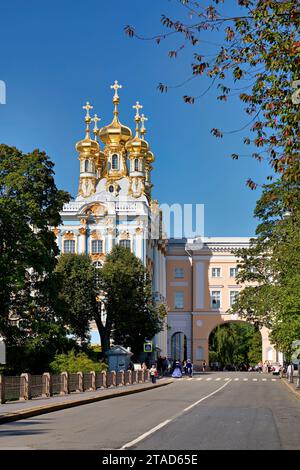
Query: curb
{"x": 292, "y": 389}
{"x": 28, "y": 413}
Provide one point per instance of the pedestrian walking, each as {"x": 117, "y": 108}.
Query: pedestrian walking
{"x": 177, "y": 372}
{"x": 290, "y": 372}
{"x": 204, "y": 366}
{"x": 153, "y": 373}
{"x": 189, "y": 368}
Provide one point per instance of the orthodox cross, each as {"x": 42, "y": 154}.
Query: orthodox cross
{"x": 87, "y": 107}
{"x": 143, "y": 128}
{"x": 137, "y": 107}
{"x": 116, "y": 86}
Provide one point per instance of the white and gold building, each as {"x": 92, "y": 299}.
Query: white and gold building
{"x": 114, "y": 203}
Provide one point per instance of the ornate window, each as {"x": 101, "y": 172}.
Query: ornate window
{"x": 115, "y": 161}
{"x": 86, "y": 166}
{"x": 179, "y": 273}
{"x": 125, "y": 244}
{"x": 179, "y": 299}
{"x": 233, "y": 295}
{"x": 136, "y": 164}
{"x": 233, "y": 272}
{"x": 97, "y": 246}
{"x": 215, "y": 299}
{"x": 69, "y": 246}
{"x": 216, "y": 272}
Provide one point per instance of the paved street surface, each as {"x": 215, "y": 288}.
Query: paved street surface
{"x": 220, "y": 410}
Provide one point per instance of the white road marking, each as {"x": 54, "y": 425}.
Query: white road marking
{"x": 236, "y": 379}
{"x": 218, "y": 378}
{"x": 245, "y": 380}
{"x": 254, "y": 380}
{"x": 190, "y": 379}
{"x": 164, "y": 423}
{"x": 201, "y": 378}
{"x": 227, "y": 378}
{"x": 264, "y": 380}
{"x": 273, "y": 380}
{"x": 208, "y": 379}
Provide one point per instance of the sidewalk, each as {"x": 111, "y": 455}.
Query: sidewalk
{"x": 292, "y": 386}
{"x": 25, "y": 409}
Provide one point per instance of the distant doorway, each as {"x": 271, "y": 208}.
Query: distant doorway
{"x": 179, "y": 346}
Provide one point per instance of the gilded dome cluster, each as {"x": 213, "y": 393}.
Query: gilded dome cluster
{"x": 123, "y": 155}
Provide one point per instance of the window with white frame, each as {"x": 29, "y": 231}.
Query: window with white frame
{"x": 97, "y": 246}
{"x": 216, "y": 272}
{"x": 233, "y": 295}
{"x": 115, "y": 161}
{"x": 98, "y": 264}
{"x": 179, "y": 299}
{"x": 215, "y": 299}
{"x": 233, "y": 272}
{"x": 179, "y": 273}
{"x": 125, "y": 244}
{"x": 69, "y": 246}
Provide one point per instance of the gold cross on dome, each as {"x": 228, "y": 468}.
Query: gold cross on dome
{"x": 137, "y": 107}
{"x": 96, "y": 119}
{"x": 116, "y": 86}
{"x": 143, "y": 119}
{"x": 87, "y": 107}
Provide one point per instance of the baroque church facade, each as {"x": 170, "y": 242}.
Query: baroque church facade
{"x": 114, "y": 204}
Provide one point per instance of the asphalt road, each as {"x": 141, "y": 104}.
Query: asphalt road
{"x": 211, "y": 411}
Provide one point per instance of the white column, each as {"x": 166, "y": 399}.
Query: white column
{"x": 139, "y": 243}
{"x": 82, "y": 240}
{"x": 110, "y": 236}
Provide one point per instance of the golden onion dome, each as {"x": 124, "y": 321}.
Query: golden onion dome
{"x": 137, "y": 145}
{"x": 150, "y": 157}
{"x": 115, "y": 133}
{"x": 87, "y": 145}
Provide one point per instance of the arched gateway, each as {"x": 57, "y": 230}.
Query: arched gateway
{"x": 201, "y": 287}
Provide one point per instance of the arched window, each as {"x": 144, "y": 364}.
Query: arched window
{"x": 86, "y": 165}
{"x": 136, "y": 165}
{"x": 69, "y": 246}
{"x": 115, "y": 161}
{"x": 125, "y": 244}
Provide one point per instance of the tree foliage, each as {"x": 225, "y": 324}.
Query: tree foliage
{"x": 121, "y": 289}
{"x": 29, "y": 205}
{"x": 270, "y": 267}
{"x": 73, "y": 363}
{"x": 260, "y": 48}
{"x": 234, "y": 344}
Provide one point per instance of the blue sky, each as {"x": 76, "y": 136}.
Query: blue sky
{"x": 56, "y": 55}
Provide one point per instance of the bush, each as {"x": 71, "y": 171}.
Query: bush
{"x": 73, "y": 362}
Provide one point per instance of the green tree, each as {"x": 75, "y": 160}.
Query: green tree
{"x": 271, "y": 266}
{"x": 121, "y": 288}
{"x": 258, "y": 46}
{"x": 73, "y": 362}
{"x": 235, "y": 343}
{"x": 29, "y": 206}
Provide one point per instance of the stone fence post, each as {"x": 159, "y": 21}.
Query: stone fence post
{"x": 25, "y": 389}
{"x": 104, "y": 379}
{"x": 130, "y": 377}
{"x": 47, "y": 385}
{"x": 93, "y": 380}
{"x": 114, "y": 378}
{"x": 80, "y": 382}
{"x": 2, "y": 388}
{"x": 147, "y": 375}
{"x": 122, "y": 378}
{"x": 64, "y": 389}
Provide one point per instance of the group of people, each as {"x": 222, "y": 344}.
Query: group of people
{"x": 186, "y": 367}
